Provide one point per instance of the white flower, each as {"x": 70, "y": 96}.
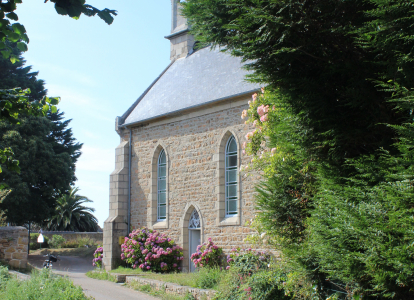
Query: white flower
{"x": 263, "y": 235}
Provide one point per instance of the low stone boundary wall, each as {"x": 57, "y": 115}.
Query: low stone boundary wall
{"x": 71, "y": 235}
{"x": 13, "y": 246}
{"x": 19, "y": 275}
{"x": 171, "y": 288}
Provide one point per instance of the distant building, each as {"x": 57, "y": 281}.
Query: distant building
{"x": 184, "y": 133}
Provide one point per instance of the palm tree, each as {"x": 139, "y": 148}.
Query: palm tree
{"x": 71, "y": 215}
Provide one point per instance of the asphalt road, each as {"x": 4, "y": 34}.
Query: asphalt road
{"x": 76, "y": 267}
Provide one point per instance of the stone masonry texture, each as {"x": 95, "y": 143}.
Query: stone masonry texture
{"x": 13, "y": 246}
{"x": 192, "y": 144}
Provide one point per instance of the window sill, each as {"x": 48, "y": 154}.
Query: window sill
{"x": 160, "y": 225}
{"x": 230, "y": 221}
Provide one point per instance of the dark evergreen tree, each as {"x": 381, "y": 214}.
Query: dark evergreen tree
{"x": 45, "y": 148}
{"x": 328, "y": 56}
{"x": 338, "y": 196}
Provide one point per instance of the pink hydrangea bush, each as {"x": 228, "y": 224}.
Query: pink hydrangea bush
{"x": 207, "y": 255}
{"x": 98, "y": 256}
{"x": 151, "y": 251}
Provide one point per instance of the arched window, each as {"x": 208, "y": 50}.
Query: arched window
{"x": 162, "y": 187}
{"x": 231, "y": 177}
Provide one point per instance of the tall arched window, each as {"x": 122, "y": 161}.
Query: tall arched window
{"x": 162, "y": 187}
{"x": 231, "y": 177}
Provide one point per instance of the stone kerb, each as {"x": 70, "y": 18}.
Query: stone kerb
{"x": 13, "y": 246}
{"x": 171, "y": 288}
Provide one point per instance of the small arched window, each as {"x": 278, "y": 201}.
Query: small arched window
{"x": 231, "y": 177}
{"x": 162, "y": 187}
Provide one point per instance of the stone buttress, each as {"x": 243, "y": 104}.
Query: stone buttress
{"x": 116, "y": 224}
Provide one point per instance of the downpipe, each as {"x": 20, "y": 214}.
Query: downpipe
{"x": 129, "y": 182}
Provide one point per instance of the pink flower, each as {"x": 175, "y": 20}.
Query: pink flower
{"x": 264, "y": 118}
{"x": 261, "y": 110}
{"x": 254, "y": 97}
{"x": 244, "y": 114}
{"x": 249, "y": 135}
{"x": 273, "y": 150}
{"x": 228, "y": 267}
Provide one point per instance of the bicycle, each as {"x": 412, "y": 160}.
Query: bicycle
{"x": 48, "y": 262}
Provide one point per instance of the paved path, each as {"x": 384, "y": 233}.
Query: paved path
{"x": 76, "y": 267}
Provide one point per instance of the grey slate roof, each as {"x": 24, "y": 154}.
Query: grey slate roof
{"x": 204, "y": 77}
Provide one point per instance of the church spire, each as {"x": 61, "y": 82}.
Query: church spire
{"x": 181, "y": 41}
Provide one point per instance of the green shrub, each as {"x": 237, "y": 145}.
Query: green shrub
{"x": 209, "y": 278}
{"x": 70, "y": 244}
{"x": 34, "y": 245}
{"x": 41, "y": 286}
{"x": 79, "y": 243}
{"x": 4, "y": 275}
{"x": 259, "y": 285}
{"x": 57, "y": 241}
{"x": 248, "y": 261}
{"x": 83, "y": 242}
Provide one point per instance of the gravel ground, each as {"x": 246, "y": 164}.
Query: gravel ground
{"x": 76, "y": 267}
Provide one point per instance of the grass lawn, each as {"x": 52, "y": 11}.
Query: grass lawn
{"x": 146, "y": 288}
{"x": 127, "y": 271}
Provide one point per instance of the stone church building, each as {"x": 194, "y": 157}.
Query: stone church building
{"x": 177, "y": 168}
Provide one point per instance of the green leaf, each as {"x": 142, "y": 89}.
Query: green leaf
{"x": 18, "y": 28}
{"x": 13, "y": 37}
{"x": 2, "y": 45}
{"x": 4, "y": 23}
{"x": 106, "y": 16}
{"x": 13, "y": 59}
{"x": 6, "y": 54}
{"x": 12, "y": 16}
{"x": 54, "y": 109}
{"x": 22, "y": 46}
{"x": 54, "y": 100}
{"x": 45, "y": 108}
{"x": 356, "y": 297}
{"x": 25, "y": 38}
{"x": 60, "y": 10}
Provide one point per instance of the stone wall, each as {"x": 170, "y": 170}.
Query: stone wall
{"x": 13, "y": 246}
{"x": 195, "y": 154}
{"x": 171, "y": 288}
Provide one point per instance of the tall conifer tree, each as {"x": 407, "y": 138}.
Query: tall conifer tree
{"x": 44, "y": 146}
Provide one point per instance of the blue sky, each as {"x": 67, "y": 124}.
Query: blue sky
{"x": 98, "y": 71}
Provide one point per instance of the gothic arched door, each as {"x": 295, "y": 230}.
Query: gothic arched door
{"x": 194, "y": 230}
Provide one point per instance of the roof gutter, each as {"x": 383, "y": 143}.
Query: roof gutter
{"x": 129, "y": 125}
{"x": 168, "y": 37}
